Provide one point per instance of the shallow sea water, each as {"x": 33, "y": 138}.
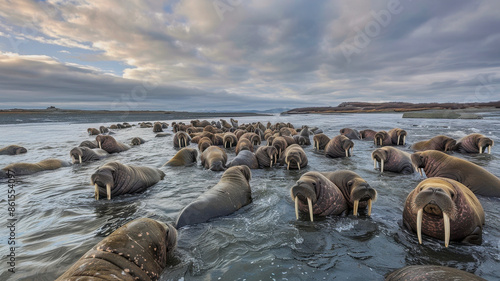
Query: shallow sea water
{"x": 59, "y": 220}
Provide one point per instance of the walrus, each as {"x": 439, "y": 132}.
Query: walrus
{"x": 210, "y": 128}
{"x": 305, "y": 133}
{"x": 23, "y": 169}
{"x": 234, "y": 122}
{"x": 253, "y": 137}
{"x": 356, "y": 191}
{"x": 198, "y": 123}
{"x": 231, "y": 193}
{"x": 444, "y": 209}
{"x": 431, "y": 273}
{"x": 137, "y": 141}
{"x": 181, "y": 139}
{"x": 146, "y": 125}
{"x": 103, "y": 130}
{"x": 266, "y": 155}
{"x": 85, "y": 154}
{"x": 281, "y": 144}
{"x": 315, "y": 194}
{"x": 320, "y": 141}
{"x": 109, "y": 144}
{"x": 183, "y": 157}
{"x": 243, "y": 144}
{"x": 136, "y": 251}
{"x": 382, "y": 138}
{"x": 339, "y": 146}
{"x": 398, "y": 136}
{"x": 474, "y": 143}
{"x": 225, "y": 124}
{"x": 214, "y": 158}
{"x": 285, "y": 131}
{"x": 245, "y": 157}
{"x": 196, "y": 137}
{"x": 367, "y": 135}
{"x": 13, "y": 150}
{"x": 440, "y": 142}
{"x": 439, "y": 164}
{"x": 352, "y": 134}
{"x": 93, "y": 131}
{"x": 290, "y": 140}
{"x": 204, "y": 143}
{"x": 157, "y": 127}
{"x": 294, "y": 157}
{"x": 89, "y": 144}
{"x": 300, "y": 140}
{"x": 229, "y": 140}
{"x": 115, "y": 178}
{"x": 393, "y": 160}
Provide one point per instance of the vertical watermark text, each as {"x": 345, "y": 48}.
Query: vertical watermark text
{"x": 11, "y": 222}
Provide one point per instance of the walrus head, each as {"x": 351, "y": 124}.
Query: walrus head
{"x": 306, "y": 190}
{"x": 379, "y": 137}
{"x": 484, "y": 143}
{"x": 419, "y": 160}
{"x": 361, "y": 191}
{"x": 19, "y": 149}
{"x": 104, "y": 178}
{"x": 105, "y": 141}
{"x": 77, "y": 153}
{"x": 435, "y": 198}
{"x": 449, "y": 144}
{"x": 348, "y": 146}
{"x": 379, "y": 155}
{"x": 294, "y": 155}
{"x": 401, "y": 136}
{"x": 137, "y": 141}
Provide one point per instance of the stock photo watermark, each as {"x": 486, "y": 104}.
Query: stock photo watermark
{"x": 11, "y": 222}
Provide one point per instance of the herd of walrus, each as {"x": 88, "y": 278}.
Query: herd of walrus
{"x": 443, "y": 206}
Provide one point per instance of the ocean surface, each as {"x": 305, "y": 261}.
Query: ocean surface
{"x": 59, "y": 219}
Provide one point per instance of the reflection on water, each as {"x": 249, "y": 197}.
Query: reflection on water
{"x": 59, "y": 220}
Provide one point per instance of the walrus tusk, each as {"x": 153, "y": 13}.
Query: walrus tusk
{"x": 404, "y": 140}
{"x": 108, "y": 190}
{"x": 288, "y": 167}
{"x": 346, "y": 153}
{"x": 446, "y": 220}
{"x": 369, "y": 207}
{"x": 96, "y": 192}
{"x": 73, "y": 159}
{"x": 381, "y": 165}
{"x": 374, "y": 163}
{"x": 419, "y": 225}
{"x": 420, "y": 171}
{"x": 298, "y": 164}
{"x": 489, "y": 149}
{"x": 309, "y": 203}
{"x": 80, "y": 157}
{"x": 480, "y": 149}
{"x": 100, "y": 145}
{"x": 355, "y": 207}
{"x": 296, "y": 207}
{"x": 398, "y": 140}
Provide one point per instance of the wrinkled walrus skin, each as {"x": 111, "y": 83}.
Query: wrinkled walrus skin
{"x": 431, "y": 273}
{"x": 230, "y": 194}
{"x": 24, "y": 169}
{"x": 136, "y": 251}
{"x": 13, "y": 150}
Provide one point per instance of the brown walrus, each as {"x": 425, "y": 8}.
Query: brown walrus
{"x": 136, "y": 251}
{"x": 214, "y": 158}
{"x": 230, "y": 194}
{"x": 439, "y": 164}
{"x": 352, "y": 134}
{"x": 22, "y": 169}
{"x": 229, "y": 139}
{"x": 243, "y": 144}
{"x": 115, "y": 178}
{"x": 440, "y": 143}
{"x": 356, "y": 191}
{"x": 85, "y": 154}
{"x": 204, "y": 143}
{"x": 305, "y": 133}
{"x": 398, "y": 136}
{"x": 157, "y": 127}
{"x": 367, "y": 135}
{"x": 317, "y": 195}
{"x": 339, "y": 146}
{"x": 109, "y": 144}
{"x": 382, "y": 138}
{"x": 393, "y": 160}
{"x": 474, "y": 143}
{"x": 431, "y": 273}
{"x": 137, "y": 141}
{"x": 280, "y": 143}
{"x": 13, "y": 150}
{"x": 245, "y": 157}
{"x": 320, "y": 141}
{"x": 253, "y": 137}
{"x": 89, "y": 144}
{"x": 181, "y": 139}
{"x": 444, "y": 209}
{"x": 103, "y": 130}
{"x": 93, "y": 131}
{"x": 183, "y": 157}
{"x": 266, "y": 156}
{"x": 294, "y": 157}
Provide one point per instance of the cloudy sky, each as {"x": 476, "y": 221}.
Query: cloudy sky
{"x": 252, "y": 54}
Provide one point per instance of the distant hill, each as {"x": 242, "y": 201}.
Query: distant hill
{"x": 360, "y": 107}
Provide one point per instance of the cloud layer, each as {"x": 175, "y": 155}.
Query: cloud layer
{"x": 233, "y": 54}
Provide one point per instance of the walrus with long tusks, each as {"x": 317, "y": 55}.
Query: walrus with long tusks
{"x": 474, "y": 143}
{"x": 136, "y": 251}
{"x": 398, "y": 136}
{"x": 352, "y": 134}
{"x": 339, "y": 146}
{"x": 214, "y": 158}
{"x": 85, "y": 154}
{"x": 266, "y": 156}
{"x": 253, "y": 137}
{"x": 23, "y": 169}
{"x": 114, "y": 178}
{"x": 393, "y": 160}
{"x": 109, "y": 144}
{"x": 316, "y": 195}
{"x": 246, "y": 158}
{"x": 13, "y": 150}
{"x": 431, "y": 273}
{"x": 439, "y": 164}
{"x": 183, "y": 157}
{"x": 229, "y": 139}
{"x": 382, "y": 138}
{"x": 440, "y": 143}
{"x": 356, "y": 191}
{"x": 280, "y": 143}
{"x": 444, "y": 209}
{"x": 231, "y": 193}
{"x": 320, "y": 141}
{"x": 181, "y": 139}
{"x": 294, "y": 157}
